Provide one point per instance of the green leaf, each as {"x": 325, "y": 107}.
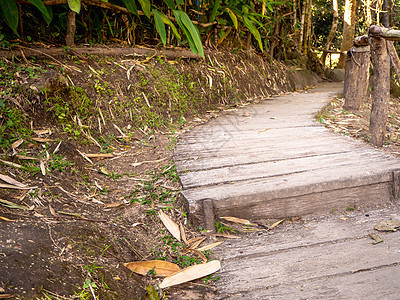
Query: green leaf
{"x": 253, "y": 31}
{"x": 160, "y": 26}
{"x": 146, "y": 6}
{"x": 233, "y": 17}
{"x": 170, "y": 4}
{"x": 169, "y": 22}
{"x": 40, "y": 6}
{"x": 131, "y": 6}
{"x": 75, "y": 5}
{"x": 214, "y": 10}
{"x": 191, "y": 32}
{"x": 10, "y": 11}
{"x": 50, "y": 18}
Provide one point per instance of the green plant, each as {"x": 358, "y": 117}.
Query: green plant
{"x": 210, "y": 278}
{"x": 350, "y": 208}
{"x": 221, "y": 228}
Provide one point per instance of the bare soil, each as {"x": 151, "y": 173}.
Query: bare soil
{"x": 84, "y": 217}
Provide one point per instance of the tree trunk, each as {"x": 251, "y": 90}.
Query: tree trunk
{"x": 394, "y": 58}
{"x": 356, "y": 77}
{"x": 307, "y": 38}
{"x": 71, "y": 28}
{"x": 381, "y": 84}
{"x": 333, "y": 30}
{"x": 368, "y": 13}
{"x": 301, "y": 36}
{"x": 385, "y": 14}
{"x": 348, "y": 30}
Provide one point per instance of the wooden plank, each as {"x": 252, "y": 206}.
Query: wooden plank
{"x": 276, "y": 168}
{"x": 316, "y": 262}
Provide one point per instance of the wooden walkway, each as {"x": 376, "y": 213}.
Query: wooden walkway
{"x": 272, "y": 160}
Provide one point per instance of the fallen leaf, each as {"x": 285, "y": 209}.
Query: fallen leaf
{"x": 152, "y": 293}
{"x": 16, "y": 144}
{"x": 11, "y": 204}
{"x": 42, "y": 131}
{"x": 160, "y": 267}
{"x": 104, "y": 171}
{"x": 197, "y": 243}
{"x": 5, "y": 219}
{"x": 376, "y": 238}
{"x": 42, "y": 168}
{"x": 113, "y": 205}
{"x": 99, "y": 155}
{"x": 12, "y": 181}
{"x": 52, "y": 210}
{"x": 191, "y": 273}
{"x": 275, "y": 224}
{"x": 228, "y": 236}
{"x": 11, "y": 164}
{"x": 237, "y": 220}
{"x": 388, "y": 225}
{"x": 26, "y": 157}
{"x": 192, "y": 240}
{"x": 6, "y": 296}
{"x": 183, "y": 234}
{"x": 10, "y": 186}
{"x": 172, "y": 227}
{"x": 201, "y": 255}
{"x": 208, "y": 247}
{"x": 41, "y": 140}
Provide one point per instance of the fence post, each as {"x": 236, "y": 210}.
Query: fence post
{"x": 381, "y": 86}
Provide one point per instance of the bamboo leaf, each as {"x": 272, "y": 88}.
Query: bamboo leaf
{"x": 233, "y": 17}
{"x": 172, "y": 227}
{"x": 10, "y": 12}
{"x": 253, "y": 31}
{"x": 214, "y": 11}
{"x": 75, "y": 5}
{"x": 170, "y": 4}
{"x": 160, "y": 267}
{"x": 237, "y": 220}
{"x": 40, "y": 6}
{"x": 191, "y": 273}
{"x": 169, "y": 22}
{"x": 50, "y": 17}
{"x": 131, "y": 6}
{"x": 12, "y": 181}
{"x": 146, "y": 6}
{"x": 208, "y": 247}
{"x": 160, "y": 26}
{"x": 191, "y": 32}
{"x": 11, "y": 204}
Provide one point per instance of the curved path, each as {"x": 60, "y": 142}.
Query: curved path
{"x": 273, "y": 160}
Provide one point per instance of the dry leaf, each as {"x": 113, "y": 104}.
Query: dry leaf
{"x": 183, "y": 234}
{"x": 210, "y": 246}
{"x": 5, "y": 219}
{"x": 41, "y": 140}
{"x": 52, "y": 210}
{"x": 10, "y": 186}
{"x": 197, "y": 243}
{"x": 275, "y": 224}
{"x": 10, "y": 204}
{"x": 42, "y": 168}
{"x": 11, "y": 164}
{"x": 172, "y": 227}
{"x": 201, "y": 255}
{"x": 26, "y": 157}
{"x": 113, "y": 205}
{"x": 16, "y": 144}
{"x": 42, "y": 131}
{"x": 191, "y": 273}
{"x": 192, "y": 240}
{"x": 237, "y": 220}
{"x": 228, "y": 236}
{"x": 12, "y": 181}
{"x": 160, "y": 267}
{"x": 99, "y": 155}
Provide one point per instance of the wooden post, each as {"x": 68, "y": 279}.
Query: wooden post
{"x": 381, "y": 83}
{"x": 209, "y": 218}
{"x": 356, "y": 77}
{"x": 71, "y": 28}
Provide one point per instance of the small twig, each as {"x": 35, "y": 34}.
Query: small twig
{"x": 85, "y": 157}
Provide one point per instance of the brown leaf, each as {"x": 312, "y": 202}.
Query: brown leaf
{"x": 275, "y": 224}
{"x": 113, "y": 205}
{"x": 25, "y": 157}
{"x": 99, "y": 155}
{"x": 191, "y": 273}
{"x": 183, "y": 234}
{"x": 42, "y": 131}
{"x": 201, "y": 255}
{"x": 16, "y": 144}
{"x": 12, "y": 181}
{"x": 172, "y": 227}
{"x": 192, "y": 240}
{"x": 210, "y": 246}
{"x": 10, "y": 186}
{"x": 5, "y": 219}
{"x": 11, "y": 164}
{"x": 160, "y": 267}
{"x": 228, "y": 236}
{"x": 52, "y": 210}
{"x": 41, "y": 140}
{"x": 237, "y": 220}
{"x": 197, "y": 243}
{"x": 42, "y": 168}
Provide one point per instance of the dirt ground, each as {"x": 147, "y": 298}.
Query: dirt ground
{"x": 91, "y": 140}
